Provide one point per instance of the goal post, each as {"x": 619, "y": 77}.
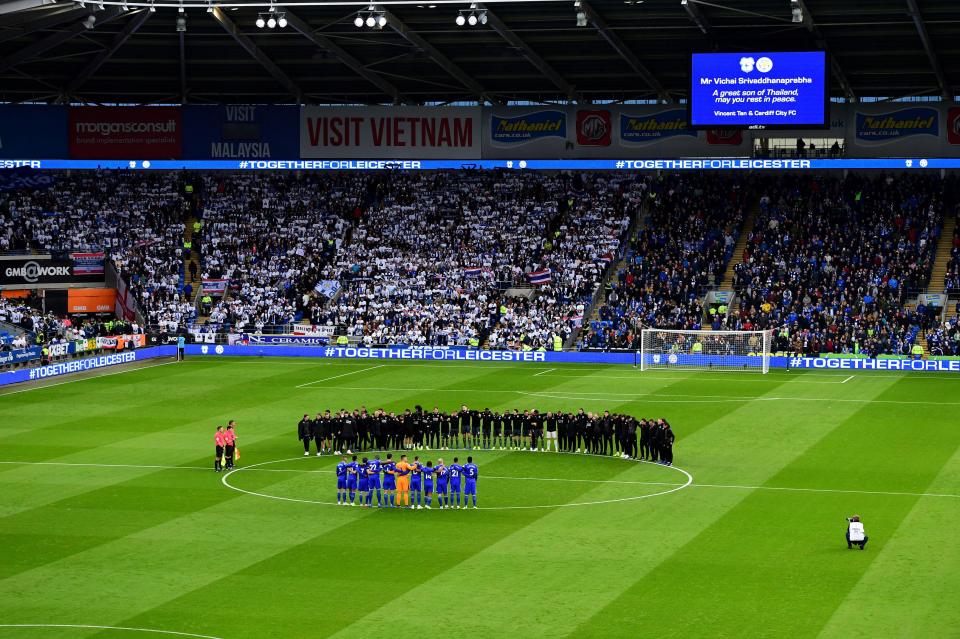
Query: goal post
{"x": 705, "y": 350}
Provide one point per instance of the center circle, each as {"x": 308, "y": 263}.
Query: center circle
{"x": 668, "y": 487}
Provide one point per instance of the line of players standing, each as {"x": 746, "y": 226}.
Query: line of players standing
{"x": 595, "y": 433}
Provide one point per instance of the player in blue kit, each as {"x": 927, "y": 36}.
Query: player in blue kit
{"x": 342, "y": 481}
{"x": 352, "y": 479}
{"x": 416, "y": 484}
{"x": 428, "y": 484}
{"x": 389, "y": 480}
{"x": 470, "y": 474}
{"x": 455, "y": 471}
{"x": 363, "y": 483}
{"x": 373, "y": 475}
{"x": 441, "y": 472}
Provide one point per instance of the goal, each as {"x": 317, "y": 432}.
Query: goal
{"x": 705, "y": 350}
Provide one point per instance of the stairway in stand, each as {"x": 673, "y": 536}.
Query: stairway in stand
{"x": 740, "y": 246}
{"x": 944, "y": 247}
{"x": 192, "y": 256}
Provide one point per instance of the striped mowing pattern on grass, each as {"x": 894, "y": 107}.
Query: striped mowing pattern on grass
{"x": 155, "y": 548}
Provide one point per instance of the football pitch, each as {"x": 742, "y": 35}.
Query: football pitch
{"x": 114, "y": 524}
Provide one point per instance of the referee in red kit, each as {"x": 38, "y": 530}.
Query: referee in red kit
{"x": 219, "y": 440}
{"x": 230, "y": 443}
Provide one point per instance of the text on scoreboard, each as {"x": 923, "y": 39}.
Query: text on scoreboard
{"x": 785, "y": 89}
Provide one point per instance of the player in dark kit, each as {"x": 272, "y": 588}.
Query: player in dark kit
{"x": 304, "y": 434}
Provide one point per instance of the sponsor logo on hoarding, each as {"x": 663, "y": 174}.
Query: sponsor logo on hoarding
{"x": 529, "y": 127}
{"x": 31, "y": 272}
{"x": 116, "y": 132}
{"x": 732, "y": 137}
{"x": 593, "y": 128}
{"x": 953, "y": 126}
{"x": 655, "y": 126}
{"x": 897, "y": 124}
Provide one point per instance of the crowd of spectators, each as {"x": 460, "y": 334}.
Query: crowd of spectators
{"x": 428, "y": 258}
{"x": 135, "y": 218}
{"x": 432, "y": 255}
{"x": 683, "y": 247}
{"x": 272, "y": 236}
{"x": 830, "y": 262}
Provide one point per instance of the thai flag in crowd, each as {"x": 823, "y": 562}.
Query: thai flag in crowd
{"x": 472, "y": 271}
{"x": 214, "y": 287}
{"x": 87, "y": 263}
{"x": 539, "y": 277}
{"x": 606, "y": 258}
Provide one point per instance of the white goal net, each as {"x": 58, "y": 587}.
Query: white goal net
{"x": 705, "y": 350}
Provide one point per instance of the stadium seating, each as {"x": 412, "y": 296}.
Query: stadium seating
{"x": 427, "y": 258}
{"x": 683, "y": 248}
{"x": 831, "y": 262}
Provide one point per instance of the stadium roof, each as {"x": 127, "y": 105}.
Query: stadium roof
{"x": 526, "y": 50}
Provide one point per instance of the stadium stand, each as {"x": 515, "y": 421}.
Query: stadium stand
{"x": 683, "y": 248}
{"x": 830, "y": 263}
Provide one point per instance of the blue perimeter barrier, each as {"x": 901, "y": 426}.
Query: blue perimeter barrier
{"x": 653, "y": 164}
{"x": 460, "y": 354}
{"x": 87, "y": 364}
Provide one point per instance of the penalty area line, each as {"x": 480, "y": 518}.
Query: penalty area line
{"x": 543, "y": 372}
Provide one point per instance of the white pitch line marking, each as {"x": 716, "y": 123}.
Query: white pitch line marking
{"x": 564, "y": 479}
{"x": 847, "y": 380}
{"x": 675, "y": 488}
{"x": 653, "y": 397}
{"x": 327, "y": 379}
{"x": 544, "y": 372}
{"x": 79, "y": 379}
{"x": 92, "y": 627}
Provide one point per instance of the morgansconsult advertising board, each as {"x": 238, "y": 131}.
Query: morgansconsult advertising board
{"x": 392, "y": 133}
{"x": 37, "y": 271}
{"x": 240, "y": 132}
{"x": 98, "y": 133}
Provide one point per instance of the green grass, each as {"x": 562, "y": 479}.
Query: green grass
{"x": 127, "y": 525}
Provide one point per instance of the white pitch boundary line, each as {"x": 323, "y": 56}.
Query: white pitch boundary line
{"x": 562, "y": 479}
{"x": 847, "y": 380}
{"x": 327, "y": 379}
{"x": 716, "y": 375}
{"x": 81, "y": 379}
{"x": 92, "y": 627}
{"x": 654, "y": 397}
{"x": 644, "y": 376}
{"x": 544, "y": 372}
{"x": 674, "y": 489}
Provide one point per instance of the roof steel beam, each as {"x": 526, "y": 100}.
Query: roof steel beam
{"x": 621, "y": 47}
{"x": 138, "y": 18}
{"x": 42, "y": 46}
{"x": 442, "y": 61}
{"x": 822, "y": 43}
{"x": 928, "y": 47}
{"x": 257, "y": 53}
{"x": 354, "y": 64}
{"x": 517, "y": 42}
